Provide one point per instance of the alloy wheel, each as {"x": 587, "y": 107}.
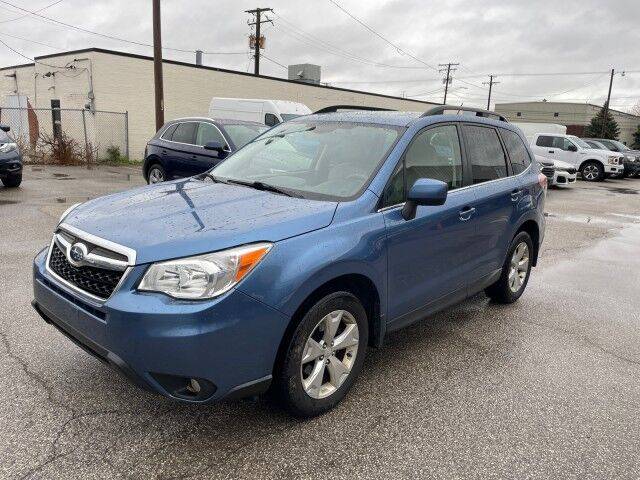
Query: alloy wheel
{"x": 590, "y": 172}
{"x": 156, "y": 176}
{"x": 329, "y": 354}
{"x": 519, "y": 267}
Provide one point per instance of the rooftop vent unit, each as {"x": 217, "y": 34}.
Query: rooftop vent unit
{"x": 305, "y": 72}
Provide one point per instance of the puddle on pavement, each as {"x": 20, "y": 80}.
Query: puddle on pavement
{"x": 589, "y": 219}
{"x": 9, "y": 202}
{"x": 622, "y": 190}
{"x": 60, "y": 175}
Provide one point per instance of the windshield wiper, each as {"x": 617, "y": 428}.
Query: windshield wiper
{"x": 214, "y": 178}
{"x": 262, "y": 186}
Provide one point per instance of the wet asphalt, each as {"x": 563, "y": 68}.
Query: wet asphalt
{"x": 546, "y": 388}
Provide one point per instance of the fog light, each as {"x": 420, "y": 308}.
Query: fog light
{"x": 194, "y": 386}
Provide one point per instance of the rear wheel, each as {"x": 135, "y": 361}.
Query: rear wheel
{"x": 12, "y": 181}
{"x": 592, "y": 172}
{"x": 156, "y": 174}
{"x": 324, "y": 356}
{"x": 515, "y": 271}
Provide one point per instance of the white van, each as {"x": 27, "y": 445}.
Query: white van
{"x": 269, "y": 112}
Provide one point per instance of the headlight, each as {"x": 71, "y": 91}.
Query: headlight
{"x": 67, "y": 212}
{"x": 203, "y": 276}
{"x": 8, "y": 147}
{"x": 613, "y": 160}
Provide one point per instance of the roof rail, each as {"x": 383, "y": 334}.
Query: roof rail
{"x": 441, "y": 109}
{"x": 335, "y": 108}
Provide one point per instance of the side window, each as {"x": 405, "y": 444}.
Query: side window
{"x": 270, "y": 119}
{"x": 168, "y": 133}
{"x": 185, "y": 133}
{"x": 544, "y": 141}
{"x": 563, "y": 143}
{"x": 433, "y": 153}
{"x": 487, "y": 158}
{"x": 517, "y": 151}
{"x": 208, "y": 132}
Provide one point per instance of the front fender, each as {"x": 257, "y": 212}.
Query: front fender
{"x": 298, "y": 266}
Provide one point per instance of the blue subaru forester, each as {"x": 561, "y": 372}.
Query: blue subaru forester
{"x": 277, "y": 268}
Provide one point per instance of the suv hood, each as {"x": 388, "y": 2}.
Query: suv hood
{"x": 193, "y": 216}
{"x": 599, "y": 152}
{"x": 559, "y": 164}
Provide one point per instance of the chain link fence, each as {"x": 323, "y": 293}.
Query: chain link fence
{"x": 68, "y": 136}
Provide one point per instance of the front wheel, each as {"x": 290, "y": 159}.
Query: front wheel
{"x": 323, "y": 357}
{"x": 515, "y": 271}
{"x": 12, "y": 181}
{"x": 592, "y": 172}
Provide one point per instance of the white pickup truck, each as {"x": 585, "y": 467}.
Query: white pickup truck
{"x": 594, "y": 165}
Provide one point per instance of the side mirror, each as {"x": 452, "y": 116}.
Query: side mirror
{"x": 425, "y": 191}
{"x": 5, "y": 128}
{"x": 216, "y": 147}
{"x": 572, "y": 148}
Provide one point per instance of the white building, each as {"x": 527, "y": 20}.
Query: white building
{"x": 99, "y": 80}
{"x": 575, "y": 116}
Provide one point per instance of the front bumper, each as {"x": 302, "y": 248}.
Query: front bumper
{"x": 562, "y": 178}
{"x": 613, "y": 169}
{"x": 10, "y": 164}
{"x": 229, "y": 344}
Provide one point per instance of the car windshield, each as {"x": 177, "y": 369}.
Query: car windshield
{"x": 324, "y": 160}
{"x": 4, "y": 138}
{"x": 621, "y": 146}
{"x": 241, "y": 134}
{"x": 581, "y": 143}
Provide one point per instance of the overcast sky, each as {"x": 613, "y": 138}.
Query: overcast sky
{"x": 505, "y": 37}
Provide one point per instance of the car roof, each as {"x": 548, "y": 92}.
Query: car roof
{"x": 220, "y": 121}
{"x": 401, "y": 118}
{"x": 398, "y": 119}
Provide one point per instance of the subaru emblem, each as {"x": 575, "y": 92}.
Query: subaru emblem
{"x": 77, "y": 252}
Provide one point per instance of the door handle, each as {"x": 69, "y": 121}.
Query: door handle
{"x": 164, "y": 152}
{"x": 466, "y": 213}
{"x": 515, "y": 195}
{"x": 552, "y": 151}
{"x": 194, "y": 157}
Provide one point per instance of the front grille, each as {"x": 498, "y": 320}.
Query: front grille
{"x": 547, "y": 172}
{"x": 99, "y": 282}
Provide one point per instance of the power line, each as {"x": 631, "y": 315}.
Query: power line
{"x": 32, "y": 41}
{"x": 27, "y": 14}
{"x": 398, "y": 49}
{"x": 110, "y": 37}
{"x": 274, "y": 61}
{"x": 26, "y": 56}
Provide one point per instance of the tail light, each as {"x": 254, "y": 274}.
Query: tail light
{"x": 542, "y": 180}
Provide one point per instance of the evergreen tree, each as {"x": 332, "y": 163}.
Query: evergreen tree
{"x": 611, "y": 128}
{"x": 636, "y": 138}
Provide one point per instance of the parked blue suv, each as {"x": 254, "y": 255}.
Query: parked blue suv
{"x": 188, "y": 146}
{"x": 277, "y": 268}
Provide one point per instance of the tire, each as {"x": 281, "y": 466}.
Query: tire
{"x": 13, "y": 181}
{"x": 503, "y": 290}
{"x": 592, "y": 171}
{"x": 294, "y": 384}
{"x": 156, "y": 174}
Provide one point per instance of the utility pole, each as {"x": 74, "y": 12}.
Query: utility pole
{"x": 491, "y": 83}
{"x": 258, "y": 40}
{"x": 606, "y": 105}
{"x": 157, "y": 65}
{"x": 446, "y": 67}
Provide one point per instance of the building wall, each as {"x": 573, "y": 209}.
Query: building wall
{"x": 575, "y": 116}
{"x": 125, "y": 83}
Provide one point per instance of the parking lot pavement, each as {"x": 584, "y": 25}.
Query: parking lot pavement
{"x": 546, "y": 388}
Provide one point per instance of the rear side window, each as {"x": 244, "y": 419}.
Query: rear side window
{"x": 168, "y": 133}
{"x": 544, "y": 141}
{"x": 517, "y": 151}
{"x": 185, "y": 133}
{"x": 487, "y": 158}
